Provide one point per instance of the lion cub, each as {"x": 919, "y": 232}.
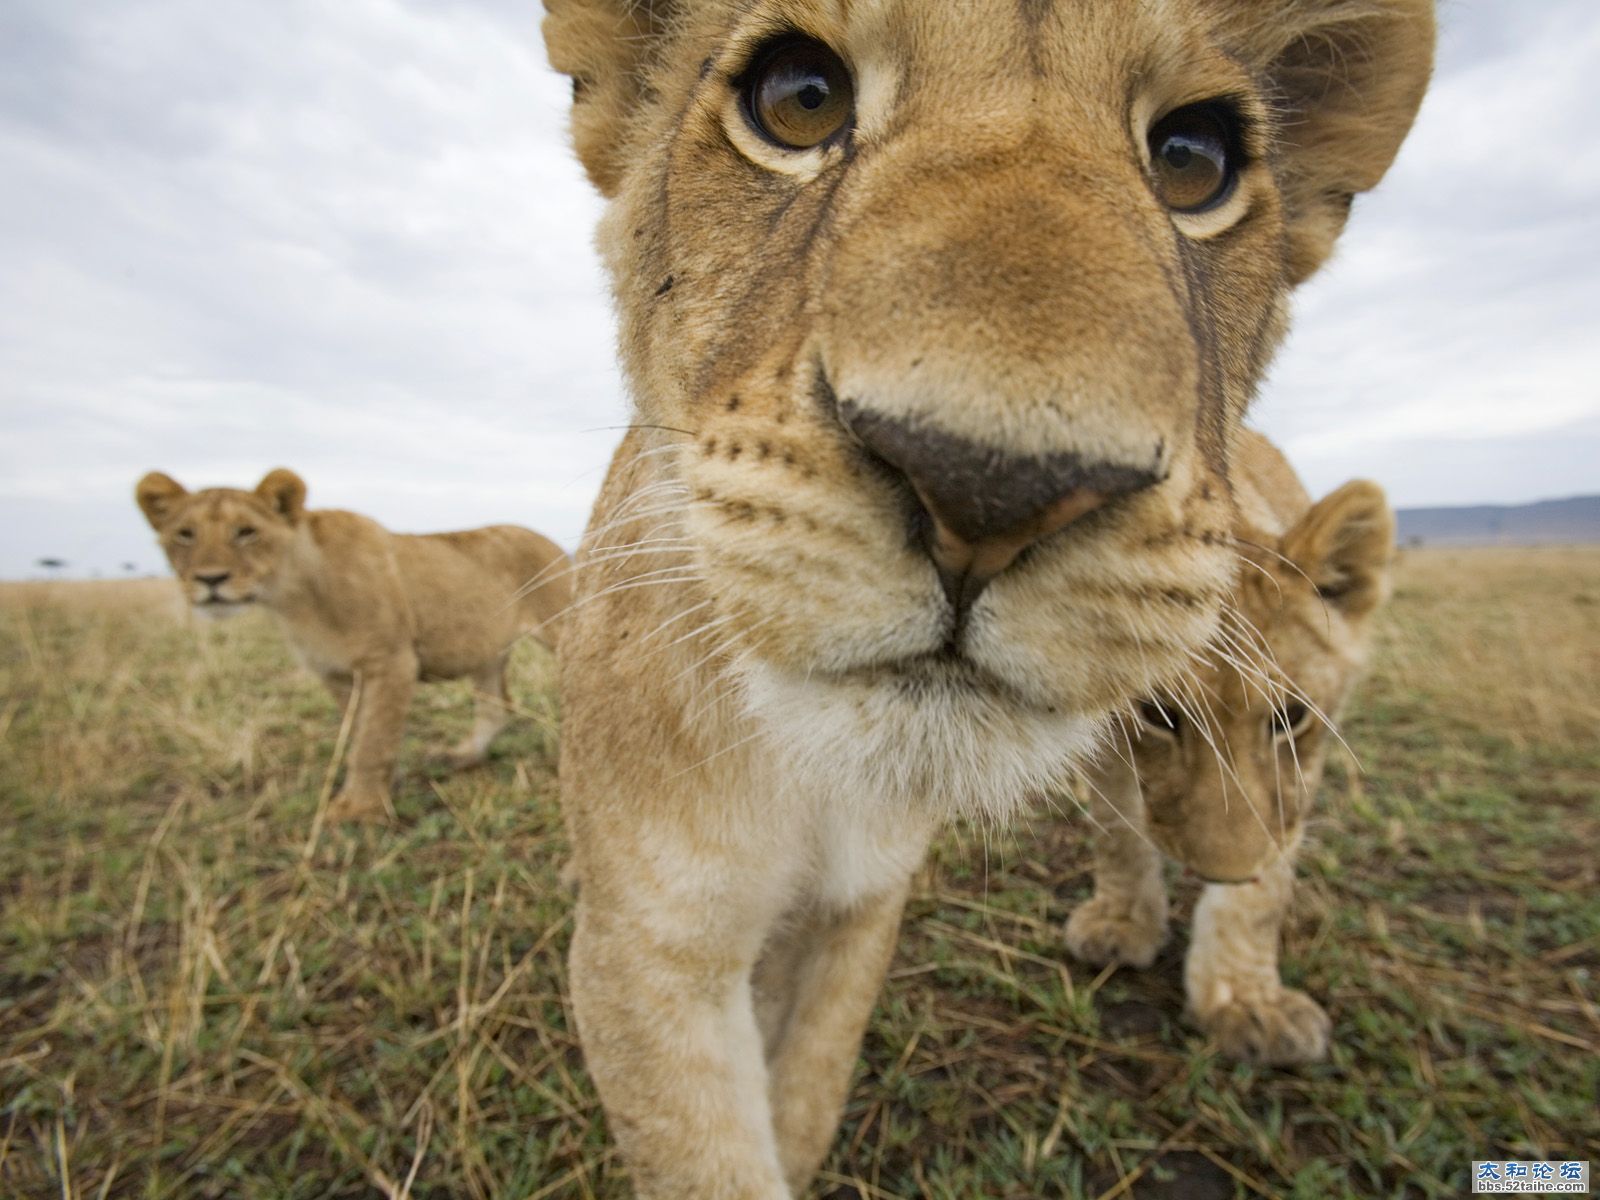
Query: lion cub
{"x": 1220, "y": 772}
{"x": 371, "y": 612}
{"x": 938, "y": 320}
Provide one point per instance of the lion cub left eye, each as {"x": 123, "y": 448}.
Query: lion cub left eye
{"x": 1291, "y": 720}
{"x": 1192, "y": 157}
{"x": 799, "y": 95}
{"x": 245, "y": 533}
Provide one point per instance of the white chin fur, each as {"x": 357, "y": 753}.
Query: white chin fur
{"x": 941, "y": 748}
{"x": 217, "y": 612}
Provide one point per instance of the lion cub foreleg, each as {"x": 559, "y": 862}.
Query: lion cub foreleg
{"x": 1231, "y": 973}
{"x": 660, "y": 981}
{"x": 491, "y": 699}
{"x": 819, "y": 983}
{"x": 382, "y": 695}
{"x": 1125, "y": 921}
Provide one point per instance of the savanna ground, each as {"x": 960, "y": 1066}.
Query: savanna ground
{"x": 206, "y": 992}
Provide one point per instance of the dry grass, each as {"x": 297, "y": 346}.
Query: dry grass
{"x": 199, "y": 997}
{"x": 1508, "y": 639}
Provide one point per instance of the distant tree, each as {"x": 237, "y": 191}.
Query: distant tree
{"x": 130, "y": 568}
{"x": 52, "y": 564}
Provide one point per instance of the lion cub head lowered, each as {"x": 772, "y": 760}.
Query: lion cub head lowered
{"x": 1228, "y": 764}
{"x": 940, "y": 320}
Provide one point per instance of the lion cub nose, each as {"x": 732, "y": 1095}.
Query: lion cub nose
{"x": 212, "y": 578}
{"x": 985, "y": 505}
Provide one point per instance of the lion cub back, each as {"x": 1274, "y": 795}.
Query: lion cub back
{"x": 501, "y": 577}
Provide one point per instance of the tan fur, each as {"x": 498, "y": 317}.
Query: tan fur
{"x": 1226, "y": 793}
{"x": 369, "y": 611}
{"x": 767, "y": 707}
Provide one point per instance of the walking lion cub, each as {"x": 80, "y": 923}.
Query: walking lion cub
{"x": 939, "y": 320}
{"x": 1220, "y": 770}
{"x": 369, "y": 611}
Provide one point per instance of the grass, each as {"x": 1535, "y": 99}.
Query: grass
{"x": 205, "y": 994}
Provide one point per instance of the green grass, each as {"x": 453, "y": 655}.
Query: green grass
{"x": 200, "y": 996}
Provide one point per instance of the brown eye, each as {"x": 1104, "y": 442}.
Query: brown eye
{"x": 1192, "y": 157}
{"x": 1291, "y": 720}
{"x": 244, "y": 533}
{"x": 800, "y": 94}
{"x": 1161, "y": 717}
{"x": 184, "y": 535}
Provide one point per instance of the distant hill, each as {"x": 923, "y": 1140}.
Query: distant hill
{"x": 1576, "y": 519}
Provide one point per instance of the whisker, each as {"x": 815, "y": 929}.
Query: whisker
{"x": 693, "y": 633}
{"x": 632, "y": 508}
{"x": 1222, "y": 753}
{"x": 689, "y": 433}
{"x": 538, "y": 580}
{"x": 1285, "y": 687}
{"x": 1138, "y": 830}
{"x": 673, "y": 620}
{"x": 710, "y": 694}
{"x": 1265, "y": 574}
{"x": 710, "y": 758}
{"x": 588, "y": 563}
{"x": 1130, "y": 759}
{"x": 722, "y": 647}
{"x": 628, "y": 585}
{"x": 653, "y": 451}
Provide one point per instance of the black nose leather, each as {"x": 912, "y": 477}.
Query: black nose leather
{"x": 987, "y": 506}
{"x": 214, "y": 578}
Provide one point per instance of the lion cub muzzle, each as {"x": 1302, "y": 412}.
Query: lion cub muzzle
{"x": 982, "y": 506}
{"x": 1016, "y": 375}
{"x": 208, "y": 587}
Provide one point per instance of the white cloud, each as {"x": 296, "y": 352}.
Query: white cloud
{"x": 1464, "y": 305}
{"x": 350, "y": 238}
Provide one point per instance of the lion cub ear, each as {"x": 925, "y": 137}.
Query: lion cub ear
{"x": 285, "y": 493}
{"x": 157, "y": 495}
{"x": 606, "y": 46}
{"x": 1347, "y": 77}
{"x": 1345, "y": 544}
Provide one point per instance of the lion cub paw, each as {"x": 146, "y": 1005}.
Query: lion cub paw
{"x": 463, "y": 758}
{"x": 1100, "y": 932}
{"x": 360, "y": 807}
{"x": 1279, "y": 1030}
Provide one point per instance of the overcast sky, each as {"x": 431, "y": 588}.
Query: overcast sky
{"x": 350, "y": 238}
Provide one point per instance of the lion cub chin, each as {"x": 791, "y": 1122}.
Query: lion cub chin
{"x": 371, "y": 612}
{"x": 1218, "y": 772}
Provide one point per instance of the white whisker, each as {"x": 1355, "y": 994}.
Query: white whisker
{"x": 673, "y": 620}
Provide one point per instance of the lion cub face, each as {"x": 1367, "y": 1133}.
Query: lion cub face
{"x": 1229, "y": 763}
{"x": 945, "y": 316}
{"x": 225, "y": 545}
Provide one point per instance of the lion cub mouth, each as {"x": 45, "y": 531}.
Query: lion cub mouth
{"x": 947, "y": 672}
{"x": 219, "y": 607}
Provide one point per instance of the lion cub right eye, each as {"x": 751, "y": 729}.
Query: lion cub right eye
{"x": 245, "y": 533}
{"x": 1193, "y": 157}
{"x": 799, "y": 94}
{"x": 184, "y": 535}
{"x": 1161, "y": 717}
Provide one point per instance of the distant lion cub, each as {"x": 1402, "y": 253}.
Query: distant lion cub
{"x": 371, "y": 612}
{"x": 1220, "y": 772}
